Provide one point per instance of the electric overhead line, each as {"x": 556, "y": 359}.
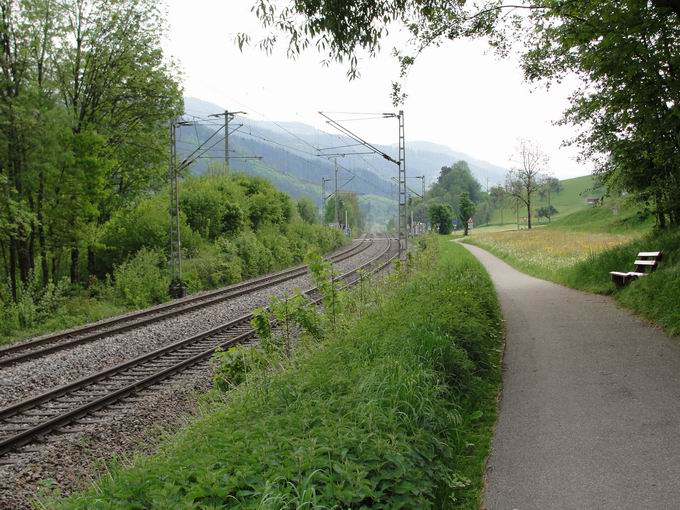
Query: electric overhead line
{"x": 318, "y": 151}
{"x": 401, "y": 164}
{"x": 228, "y": 117}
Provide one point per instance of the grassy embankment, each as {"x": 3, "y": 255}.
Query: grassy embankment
{"x": 579, "y": 250}
{"x": 393, "y": 410}
{"x": 570, "y": 199}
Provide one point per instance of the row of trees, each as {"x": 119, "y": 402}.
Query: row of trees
{"x": 458, "y": 197}
{"x": 625, "y": 52}
{"x": 454, "y": 197}
{"x": 85, "y": 98}
{"x": 350, "y": 215}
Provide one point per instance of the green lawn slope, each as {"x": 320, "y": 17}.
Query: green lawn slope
{"x": 395, "y": 411}
{"x": 571, "y": 198}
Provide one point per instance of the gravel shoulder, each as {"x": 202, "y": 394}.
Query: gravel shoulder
{"x": 589, "y": 416}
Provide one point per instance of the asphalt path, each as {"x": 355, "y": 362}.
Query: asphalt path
{"x": 589, "y": 415}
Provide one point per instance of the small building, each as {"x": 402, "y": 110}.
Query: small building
{"x": 592, "y": 201}
{"x": 471, "y": 223}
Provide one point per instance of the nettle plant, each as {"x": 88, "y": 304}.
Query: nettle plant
{"x": 276, "y": 327}
{"x": 326, "y": 282}
{"x": 278, "y": 324}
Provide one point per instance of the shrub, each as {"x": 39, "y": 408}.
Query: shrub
{"x": 307, "y": 210}
{"x": 144, "y": 225}
{"x": 140, "y": 281}
{"x": 256, "y": 258}
{"x": 233, "y": 365}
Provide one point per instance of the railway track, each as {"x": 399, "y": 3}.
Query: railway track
{"x": 33, "y": 349}
{"x": 35, "y": 418}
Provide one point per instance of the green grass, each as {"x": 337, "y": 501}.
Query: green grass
{"x": 74, "y": 311}
{"x": 614, "y": 216}
{"x": 579, "y": 250}
{"x": 395, "y": 411}
{"x": 656, "y": 297}
{"x": 569, "y": 200}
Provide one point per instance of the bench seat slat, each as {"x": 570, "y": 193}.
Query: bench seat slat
{"x": 634, "y": 273}
{"x": 649, "y": 254}
{"x": 618, "y": 273}
{"x": 645, "y": 262}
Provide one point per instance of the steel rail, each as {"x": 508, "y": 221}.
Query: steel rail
{"x": 26, "y": 351}
{"x": 237, "y": 330}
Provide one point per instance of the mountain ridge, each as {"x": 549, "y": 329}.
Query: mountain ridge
{"x": 422, "y": 157}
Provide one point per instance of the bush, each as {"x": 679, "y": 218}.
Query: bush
{"x": 34, "y": 304}
{"x": 216, "y": 265}
{"x": 145, "y": 225}
{"x": 256, "y": 258}
{"x": 140, "y": 281}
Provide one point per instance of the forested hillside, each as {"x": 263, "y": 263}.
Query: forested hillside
{"x": 232, "y": 228}
{"x": 290, "y": 159}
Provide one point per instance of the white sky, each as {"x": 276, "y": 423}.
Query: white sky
{"x": 457, "y": 95}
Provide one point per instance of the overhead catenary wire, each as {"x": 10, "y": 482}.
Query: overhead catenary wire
{"x": 253, "y": 133}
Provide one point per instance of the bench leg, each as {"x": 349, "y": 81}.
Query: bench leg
{"x": 620, "y": 280}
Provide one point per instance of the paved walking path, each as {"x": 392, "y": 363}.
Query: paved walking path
{"x": 590, "y": 411}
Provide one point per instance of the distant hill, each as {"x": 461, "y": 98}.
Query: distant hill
{"x": 422, "y": 157}
{"x": 290, "y": 159}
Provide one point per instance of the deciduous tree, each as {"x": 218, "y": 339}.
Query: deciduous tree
{"x": 441, "y": 217}
{"x": 466, "y": 211}
{"x": 528, "y": 174}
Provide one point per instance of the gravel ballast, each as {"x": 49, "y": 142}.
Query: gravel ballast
{"x": 37, "y": 376}
{"x": 70, "y": 461}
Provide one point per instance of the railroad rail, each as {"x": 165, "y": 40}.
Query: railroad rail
{"x": 36, "y": 417}
{"x": 33, "y": 349}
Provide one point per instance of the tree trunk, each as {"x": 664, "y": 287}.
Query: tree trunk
{"x": 90, "y": 261}
{"x": 41, "y": 231}
{"x": 24, "y": 259}
{"x": 661, "y": 218}
{"x": 75, "y": 254}
{"x": 529, "y": 211}
{"x": 13, "y": 267}
{"x": 54, "y": 268}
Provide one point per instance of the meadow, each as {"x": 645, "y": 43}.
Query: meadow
{"x": 570, "y": 199}
{"x": 579, "y": 251}
{"x": 548, "y": 253}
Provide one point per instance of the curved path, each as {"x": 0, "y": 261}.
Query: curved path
{"x": 590, "y": 412}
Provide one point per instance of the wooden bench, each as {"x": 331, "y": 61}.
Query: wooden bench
{"x": 647, "y": 261}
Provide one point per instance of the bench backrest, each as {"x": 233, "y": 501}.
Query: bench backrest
{"x": 647, "y": 261}
{"x": 650, "y": 254}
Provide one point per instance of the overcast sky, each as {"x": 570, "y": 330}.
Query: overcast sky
{"x": 457, "y": 95}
